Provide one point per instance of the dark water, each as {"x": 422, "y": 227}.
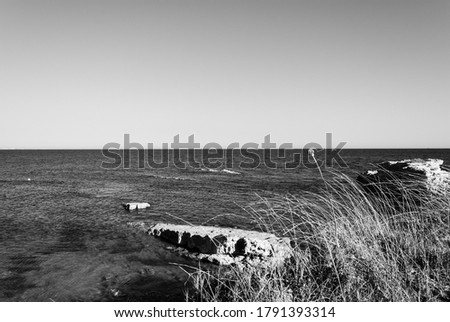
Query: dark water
{"x": 64, "y": 234}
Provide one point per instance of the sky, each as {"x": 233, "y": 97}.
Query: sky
{"x": 81, "y": 74}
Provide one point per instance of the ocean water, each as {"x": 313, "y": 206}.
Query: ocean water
{"x": 64, "y": 234}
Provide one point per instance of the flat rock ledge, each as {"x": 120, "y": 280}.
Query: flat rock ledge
{"x": 425, "y": 174}
{"x": 222, "y": 246}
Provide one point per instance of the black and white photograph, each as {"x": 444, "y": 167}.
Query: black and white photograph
{"x": 195, "y": 151}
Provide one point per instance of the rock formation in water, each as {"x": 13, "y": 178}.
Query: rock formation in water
{"x": 414, "y": 176}
{"x": 222, "y": 246}
{"x": 135, "y": 205}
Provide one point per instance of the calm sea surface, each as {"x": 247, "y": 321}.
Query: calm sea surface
{"x": 64, "y": 234}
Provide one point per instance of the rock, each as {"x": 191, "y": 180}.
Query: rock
{"x": 221, "y": 259}
{"x": 201, "y": 256}
{"x": 416, "y": 176}
{"x": 224, "y": 243}
{"x": 135, "y": 205}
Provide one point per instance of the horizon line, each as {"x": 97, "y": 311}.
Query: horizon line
{"x": 160, "y": 148}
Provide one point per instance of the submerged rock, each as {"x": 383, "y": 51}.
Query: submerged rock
{"x": 223, "y": 246}
{"x": 414, "y": 175}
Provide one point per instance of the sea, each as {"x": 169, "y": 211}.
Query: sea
{"x": 64, "y": 235}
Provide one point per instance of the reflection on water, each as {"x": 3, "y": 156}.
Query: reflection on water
{"x": 64, "y": 234}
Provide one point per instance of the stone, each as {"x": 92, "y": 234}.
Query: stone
{"x": 221, "y": 259}
{"x": 416, "y": 175}
{"x": 135, "y": 205}
{"x": 226, "y": 244}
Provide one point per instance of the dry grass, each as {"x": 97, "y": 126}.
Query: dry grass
{"x": 349, "y": 246}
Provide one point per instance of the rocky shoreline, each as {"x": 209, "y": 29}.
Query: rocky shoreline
{"x": 414, "y": 179}
{"x": 429, "y": 173}
{"x": 231, "y": 246}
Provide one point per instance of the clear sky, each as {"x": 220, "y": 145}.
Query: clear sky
{"x": 79, "y": 74}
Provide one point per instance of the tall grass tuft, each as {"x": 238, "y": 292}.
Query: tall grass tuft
{"x": 348, "y": 246}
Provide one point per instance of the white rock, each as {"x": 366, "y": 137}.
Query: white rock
{"x": 428, "y": 172}
{"x": 437, "y": 179}
{"x": 135, "y": 205}
{"x": 225, "y": 241}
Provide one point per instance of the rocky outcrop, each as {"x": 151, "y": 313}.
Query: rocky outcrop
{"x": 223, "y": 246}
{"x": 135, "y": 205}
{"x": 415, "y": 176}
